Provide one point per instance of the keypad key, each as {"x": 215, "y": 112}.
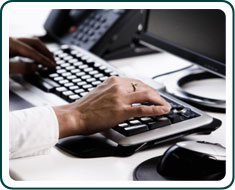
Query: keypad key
{"x": 63, "y": 81}
{"x": 61, "y": 71}
{"x": 78, "y": 91}
{"x": 78, "y": 64}
{"x": 90, "y": 89}
{"x": 66, "y": 74}
{"x": 90, "y": 79}
{"x": 83, "y": 94}
{"x": 68, "y": 84}
{"x": 75, "y": 71}
{"x": 86, "y": 77}
{"x": 70, "y": 68}
{"x": 123, "y": 125}
{"x": 73, "y": 87}
{"x": 74, "y": 97}
{"x": 87, "y": 86}
{"x": 59, "y": 90}
{"x": 58, "y": 78}
{"x": 76, "y": 80}
{"x": 133, "y": 130}
{"x": 98, "y": 75}
{"x": 82, "y": 66}
{"x": 175, "y": 118}
{"x": 81, "y": 83}
{"x": 95, "y": 83}
{"x": 159, "y": 122}
{"x": 71, "y": 77}
{"x": 54, "y": 75}
{"x": 93, "y": 72}
{"x": 80, "y": 74}
{"x": 88, "y": 69}
{"x": 65, "y": 65}
{"x": 103, "y": 78}
{"x": 73, "y": 61}
{"x": 67, "y": 93}
{"x": 135, "y": 122}
{"x": 146, "y": 119}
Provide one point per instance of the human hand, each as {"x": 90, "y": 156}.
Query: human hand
{"x": 108, "y": 105}
{"x": 31, "y": 48}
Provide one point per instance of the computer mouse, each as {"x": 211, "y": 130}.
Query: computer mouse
{"x": 188, "y": 160}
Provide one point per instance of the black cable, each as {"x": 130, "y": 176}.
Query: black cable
{"x": 156, "y": 76}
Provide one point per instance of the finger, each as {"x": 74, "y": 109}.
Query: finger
{"x": 22, "y": 67}
{"x": 38, "y": 45}
{"x": 151, "y": 96}
{"x": 140, "y": 111}
{"x": 27, "y": 51}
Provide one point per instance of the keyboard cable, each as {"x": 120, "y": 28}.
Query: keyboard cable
{"x": 171, "y": 72}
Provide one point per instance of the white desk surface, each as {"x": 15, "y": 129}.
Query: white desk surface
{"x": 61, "y": 166}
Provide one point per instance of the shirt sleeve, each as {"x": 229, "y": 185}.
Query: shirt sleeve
{"x": 32, "y": 131}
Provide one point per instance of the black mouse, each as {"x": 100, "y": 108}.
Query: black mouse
{"x": 188, "y": 160}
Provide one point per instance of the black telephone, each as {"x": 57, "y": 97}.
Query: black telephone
{"x": 105, "y": 32}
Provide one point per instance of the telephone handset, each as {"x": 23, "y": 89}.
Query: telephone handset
{"x": 101, "y": 31}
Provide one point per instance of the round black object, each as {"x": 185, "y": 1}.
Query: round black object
{"x": 179, "y": 163}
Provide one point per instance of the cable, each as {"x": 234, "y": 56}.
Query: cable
{"x": 156, "y": 76}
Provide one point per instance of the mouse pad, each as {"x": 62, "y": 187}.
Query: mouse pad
{"x": 147, "y": 171}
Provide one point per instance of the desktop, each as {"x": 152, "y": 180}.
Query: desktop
{"x": 144, "y": 41}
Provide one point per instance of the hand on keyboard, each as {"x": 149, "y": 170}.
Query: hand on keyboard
{"x": 31, "y": 48}
{"x": 111, "y": 103}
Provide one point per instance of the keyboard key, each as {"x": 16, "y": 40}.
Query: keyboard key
{"x": 90, "y": 79}
{"x": 78, "y": 91}
{"x": 70, "y": 68}
{"x": 74, "y": 97}
{"x": 66, "y": 74}
{"x": 58, "y": 78}
{"x": 83, "y": 94}
{"x": 73, "y": 87}
{"x": 123, "y": 125}
{"x": 81, "y": 83}
{"x": 103, "y": 78}
{"x": 133, "y": 130}
{"x": 61, "y": 71}
{"x": 59, "y": 90}
{"x": 90, "y": 89}
{"x": 98, "y": 75}
{"x": 93, "y": 72}
{"x": 78, "y": 64}
{"x": 63, "y": 81}
{"x": 86, "y": 77}
{"x": 68, "y": 84}
{"x": 76, "y": 80}
{"x": 146, "y": 119}
{"x": 53, "y": 75}
{"x": 159, "y": 122}
{"x": 87, "y": 86}
{"x": 135, "y": 122}
{"x": 96, "y": 83}
{"x": 75, "y": 71}
{"x": 67, "y": 93}
{"x": 71, "y": 77}
{"x": 80, "y": 74}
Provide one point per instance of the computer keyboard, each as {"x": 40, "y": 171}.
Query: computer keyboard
{"x": 78, "y": 72}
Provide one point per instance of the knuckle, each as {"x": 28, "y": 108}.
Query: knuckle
{"x": 116, "y": 88}
{"x": 113, "y": 79}
{"x": 140, "y": 110}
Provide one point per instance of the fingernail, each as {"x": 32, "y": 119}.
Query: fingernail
{"x": 166, "y": 109}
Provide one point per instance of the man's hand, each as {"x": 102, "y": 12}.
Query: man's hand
{"x": 31, "y": 48}
{"x": 108, "y": 105}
